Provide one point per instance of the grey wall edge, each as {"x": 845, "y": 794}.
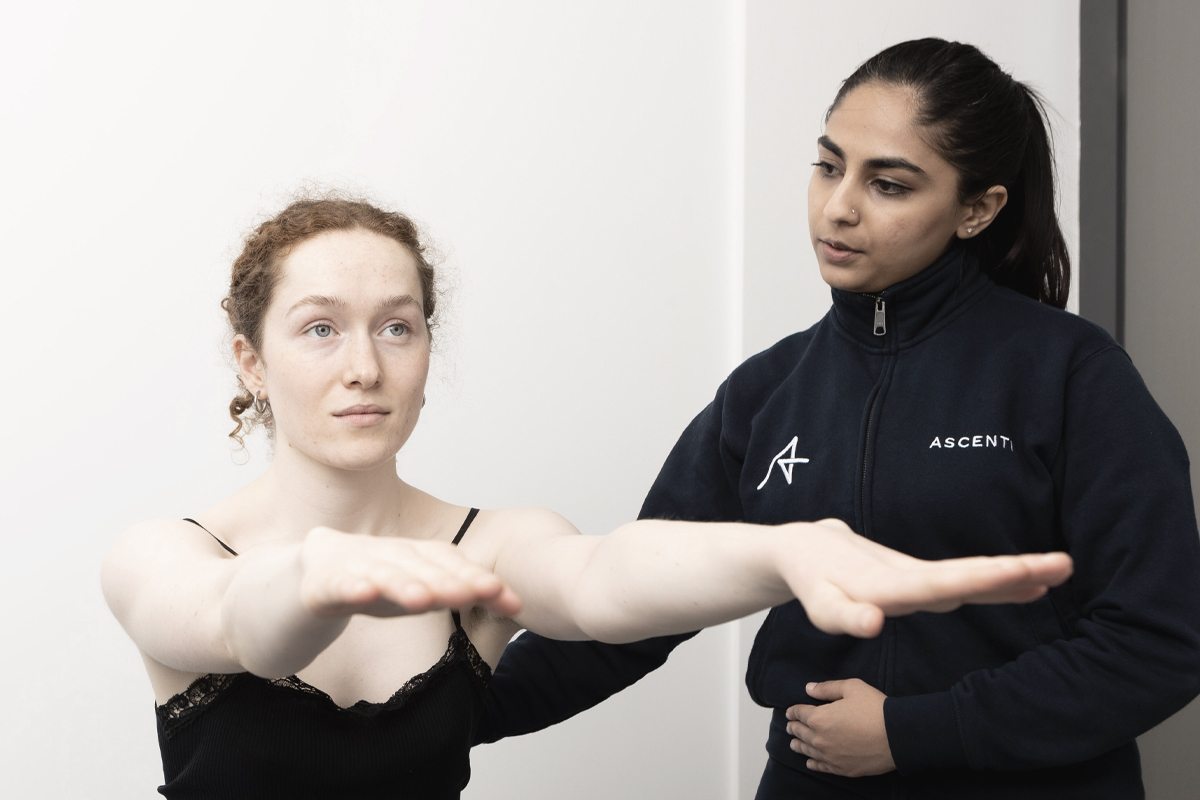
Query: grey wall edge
{"x": 1101, "y": 271}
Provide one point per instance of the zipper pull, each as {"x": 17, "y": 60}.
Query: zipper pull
{"x": 880, "y": 317}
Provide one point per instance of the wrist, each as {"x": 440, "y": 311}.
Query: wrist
{"x": 268, "y": 628}
{"x": 789, "y": 554}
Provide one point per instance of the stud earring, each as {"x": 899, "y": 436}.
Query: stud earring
{"x": 970, "y": 231}
{"x": 260, "y": 405}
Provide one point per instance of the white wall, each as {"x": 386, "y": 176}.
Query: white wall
{"x": 570, "y": 158}
{"x": 581, "y": 165}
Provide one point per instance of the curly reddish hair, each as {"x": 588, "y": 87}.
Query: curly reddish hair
{"x": 256, "y": 272}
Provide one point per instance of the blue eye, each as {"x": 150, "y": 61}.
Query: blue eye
{"x": 399, "y": 329}
{"x": 321, "y": 331}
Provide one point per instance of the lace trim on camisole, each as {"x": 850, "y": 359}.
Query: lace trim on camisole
{"x": 196, "y": 696}
{"x": 207, "y": 688}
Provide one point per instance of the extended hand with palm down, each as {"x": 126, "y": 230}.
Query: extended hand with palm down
{"x": 846, "y": 583}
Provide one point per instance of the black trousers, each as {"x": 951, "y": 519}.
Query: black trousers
{"x": 780, "y": 782}
{"x": 1114, "y": 775}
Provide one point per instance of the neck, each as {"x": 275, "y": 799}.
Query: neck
{"x": 298, "y": 493}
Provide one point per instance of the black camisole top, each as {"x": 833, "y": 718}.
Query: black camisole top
{"x": 242, "y": 736}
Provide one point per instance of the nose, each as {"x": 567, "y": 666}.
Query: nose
{"x": 362, "y": 369}
{"x": 843, "y": 205}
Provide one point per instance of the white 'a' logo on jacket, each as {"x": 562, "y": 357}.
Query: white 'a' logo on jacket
{"x": 786, "y": 459}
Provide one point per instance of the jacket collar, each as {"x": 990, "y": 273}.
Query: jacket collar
{"x": 914, "y": 307}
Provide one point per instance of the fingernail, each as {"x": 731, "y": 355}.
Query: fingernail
{"x": 809, "y": 687}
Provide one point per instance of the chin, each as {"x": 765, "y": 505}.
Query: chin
{"x": 848, "y": 279}
{"x": 361, "y": 455}
{"x": 359, "y": 461}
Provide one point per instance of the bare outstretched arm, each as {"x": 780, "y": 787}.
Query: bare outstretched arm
{"x": 652, "y": 577}
{"x": 273, "y": 609}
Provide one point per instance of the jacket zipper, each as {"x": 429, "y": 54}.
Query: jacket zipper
{"x": 880, "y": 328}
{"x": 862, "y": 486}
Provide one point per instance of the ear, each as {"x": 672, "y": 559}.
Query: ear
{"x": 251, "y": 368}
{"x": 981, "y": 213}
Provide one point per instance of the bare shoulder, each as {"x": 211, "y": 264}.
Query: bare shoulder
{"x": 148, "y": 547}
{"x": 527, "y": 521}
{"x": 497, "y": 530}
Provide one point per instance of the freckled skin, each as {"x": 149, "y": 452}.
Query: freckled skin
{"x": 900, "y": 233}
{"x": 308, "y": 378}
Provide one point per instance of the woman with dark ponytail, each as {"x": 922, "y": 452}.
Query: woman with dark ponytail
{"x": 946, "y": 391}
{"x": 992, "y": 130}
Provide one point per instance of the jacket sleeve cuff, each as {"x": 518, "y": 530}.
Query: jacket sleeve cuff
{"x": 923, "y": 733}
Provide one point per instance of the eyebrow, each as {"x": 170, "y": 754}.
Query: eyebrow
{"x": 395, "y": 301}
{"x": 889, "y": 162}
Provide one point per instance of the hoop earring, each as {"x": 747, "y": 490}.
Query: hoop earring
{"x": 260, "y": 406}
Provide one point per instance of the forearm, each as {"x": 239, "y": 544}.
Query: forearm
{"x": 540, "y": 682}
{"x": 655, "y": 578}
{"x": 267, "y": 627}
{"x": 1061, "y": 703}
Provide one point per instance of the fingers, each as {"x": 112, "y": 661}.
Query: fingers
{"x": 345, "y": 590}
{"x": 945, "y": 585}
{"x": 483, "y": 588}
{"x": 1000, "y": 573}
{"x": 1052, "y": 569}
{"x": 363, "y": 587}
{"x": 1018, "y": 595}
{"x": 415, "y": 586}
{"x": 505, "y": 604}
{"x": 827, "y": 690}
{"x": 434, "y": 578}
{"x": 389, "y": 577}
{"x": 803, "y": 742}
{"x": 454, "y": 573}
{"x": 799, "y": 745}
{"x": 831, "y": 610}
{"x": 800, "y": 714}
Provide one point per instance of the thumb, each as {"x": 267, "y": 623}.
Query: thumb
{"x": 833, "y": 611}
{"x": 826, "y": 690}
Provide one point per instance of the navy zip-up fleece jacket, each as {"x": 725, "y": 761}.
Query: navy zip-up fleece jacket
{"x": 948, "y": 417}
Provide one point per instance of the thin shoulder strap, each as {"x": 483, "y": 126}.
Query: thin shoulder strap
{"x": 210, "y": 533}
{"x": 466, "y": 524}
{"x": 458, "y": 538}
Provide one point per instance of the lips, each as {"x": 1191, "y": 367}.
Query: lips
{"x": 354, "y": 411}
{"x": 361, "y": 416}
{"x": 837, "y": 251}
